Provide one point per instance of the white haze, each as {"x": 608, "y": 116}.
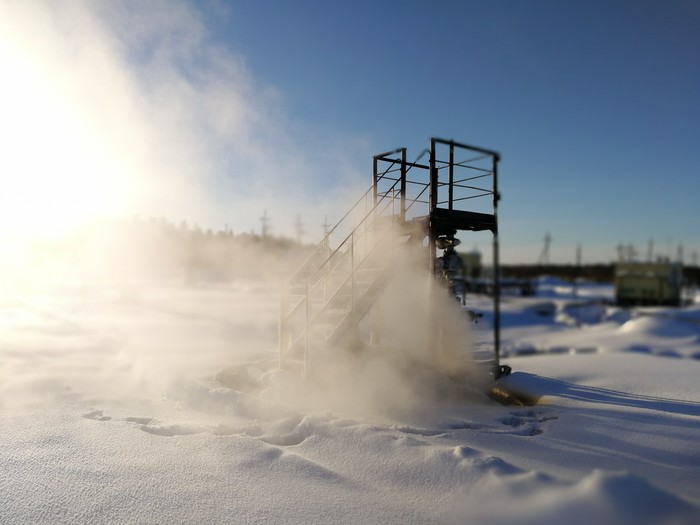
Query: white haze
{"x": 407, "y": 360}
{"x": 170, "y": 306}
{"x": 108, "y": 413}
{"x": 112, "y": 110}
{"x": 119, "y": 108}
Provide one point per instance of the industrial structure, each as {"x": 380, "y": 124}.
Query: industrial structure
{"x": 410, "y": 210}
{"x": 649, "y": 283}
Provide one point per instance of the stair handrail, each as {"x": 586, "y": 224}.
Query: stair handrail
{"x": 312, "y": 276}
{"x": 349, "y": 236}
{"x": 326, "y": 238}
{"x": 311, "y": 319}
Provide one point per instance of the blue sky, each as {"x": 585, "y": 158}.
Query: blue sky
{"x": 214, "y": 111}
{"x": 594, "y": 106}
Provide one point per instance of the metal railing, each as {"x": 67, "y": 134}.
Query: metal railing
{"x": 325, "y": 289}
{"x": 324, "y": 292}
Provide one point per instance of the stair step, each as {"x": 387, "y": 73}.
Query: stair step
{"x": 336, "y": 289}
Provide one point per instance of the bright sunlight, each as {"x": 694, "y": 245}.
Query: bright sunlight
{"x": 57, "y": 168}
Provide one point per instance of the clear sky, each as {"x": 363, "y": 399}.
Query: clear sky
{"x": 215, "y": 111}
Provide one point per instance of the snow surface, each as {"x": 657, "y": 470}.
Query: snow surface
{"x": 109, "y": 413}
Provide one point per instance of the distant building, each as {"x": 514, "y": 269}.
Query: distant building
{"x": 472, "y": 263}
{"x": 482, "y": 282}
{"x": 638, "y": 283}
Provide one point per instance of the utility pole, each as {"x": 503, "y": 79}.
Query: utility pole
{"x": 620, "y": 252}
{"x": 265, "y": 220}
{"x": 326, "y": 229}
{"x": 544, "y": 254}
{"x": 299, "y": 228}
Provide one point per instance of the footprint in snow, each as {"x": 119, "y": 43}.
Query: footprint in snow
{"x": 139, "y": 420}
{"x": 290, "y": 432}
{"x": 174, "y": 430}
{"x": 526, "y": 422}
{"x": 468, "y": 456}
{"x": 150, "y": 426}
{"x": 97, "y": 415}
{"x": 441, "y": 429}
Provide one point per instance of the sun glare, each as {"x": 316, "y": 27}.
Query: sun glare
{"x": 56, "y": 169}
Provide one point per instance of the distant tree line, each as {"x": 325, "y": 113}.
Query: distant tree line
{"x": 603, "y": 273}
{"x": 156, "y": 249}
{"x": 592, "y": 272}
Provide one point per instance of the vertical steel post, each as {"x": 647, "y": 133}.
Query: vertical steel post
{"x": 433, "y": 199}
{"x": 375, "y": 197}
{"x": 284, "y": 300}
{"x": 496, "y": 267}
{"x": 403, "y": 185}
{"x": 450, "y": 187}
{"x": 375, "y": 181}
{"x": 307, "y": 325}
{"x": 432, "y": 320}
{"x": 352, "y": 271}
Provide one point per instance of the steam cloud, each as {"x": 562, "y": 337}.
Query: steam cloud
{"x": 415, "y": 352}
{"x": 124, "y": 108}
{"x": 119, "y": 108}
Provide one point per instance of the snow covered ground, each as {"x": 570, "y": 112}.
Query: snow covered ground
{"x": 109, "y": 413}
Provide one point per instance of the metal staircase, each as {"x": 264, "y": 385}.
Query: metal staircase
{"x": 409, "y": 205}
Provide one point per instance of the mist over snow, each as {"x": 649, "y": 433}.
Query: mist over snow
{"x": 113, "y": 408}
